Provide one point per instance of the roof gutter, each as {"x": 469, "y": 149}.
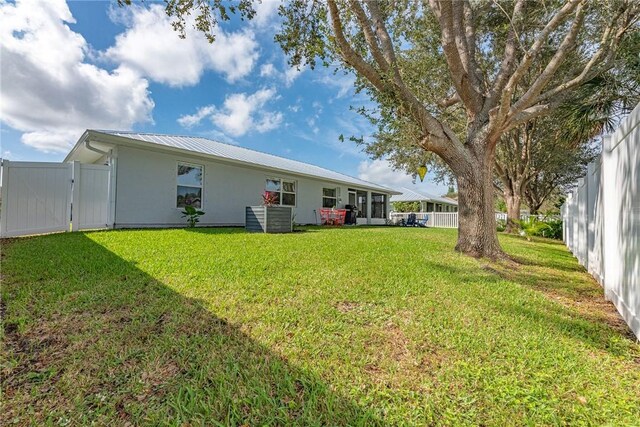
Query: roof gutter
{"x": 87, "y": 144}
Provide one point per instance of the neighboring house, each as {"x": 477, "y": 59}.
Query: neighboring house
{"x": 154, "y": 176}
{"x": 428, "y": 202}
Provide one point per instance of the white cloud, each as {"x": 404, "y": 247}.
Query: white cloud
{"x": 381, "y": 172}
{"x": 291, "y": 74}
{"x": 287, "y": 77}
{"x": 240, "y": 114}
{"x": 266, "y": 12}
{"x": 191, "y": 120}
{"x": 151, "y": 47}
{"x": 268, "y": 121}
{"x": 48, "y": 90}
{"x": 343, "y": 83}
{"x": 267, "y": 70}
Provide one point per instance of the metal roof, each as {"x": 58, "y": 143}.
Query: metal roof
{"x": 235, "y": 153}
{"x": 409, "y": 195}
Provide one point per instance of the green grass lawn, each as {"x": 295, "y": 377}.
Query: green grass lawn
{"x": 345, "y": 326}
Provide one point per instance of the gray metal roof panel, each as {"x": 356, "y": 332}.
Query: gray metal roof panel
{"x": 409, "y": 195}
{"x": 245, "y": 155}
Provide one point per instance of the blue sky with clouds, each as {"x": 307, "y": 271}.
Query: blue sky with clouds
{"x": 68, "y": 66}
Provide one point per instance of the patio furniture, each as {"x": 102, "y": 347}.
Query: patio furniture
{"x": 332, "y": 216}
{"x": 411, "y": 220}
{"x": 423, "y": 222}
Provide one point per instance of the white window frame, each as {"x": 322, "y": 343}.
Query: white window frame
{"x": 282, "y": 181}
{"x": 201, "y": 186}
{"x": 335, "y": 204}
{"x": 385, "y": 204}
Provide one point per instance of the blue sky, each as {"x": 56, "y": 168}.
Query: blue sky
{"x": 68, "y": 66}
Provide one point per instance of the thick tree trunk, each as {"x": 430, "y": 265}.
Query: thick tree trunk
{"x": 477, "y": 234}
{"x": 534, "y": 205}
{"x": 534, "y": 208}
{"x": 513, "y": 202}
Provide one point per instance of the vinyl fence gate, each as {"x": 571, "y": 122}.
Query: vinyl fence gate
{"x": 42, "y": 197}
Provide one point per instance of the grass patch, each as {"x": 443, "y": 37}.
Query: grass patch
{"x": 353, "y": 326}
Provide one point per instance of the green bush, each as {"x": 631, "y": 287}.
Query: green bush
{"x": 192, "y": 214}
{"x": 406, "y": 206}
{"x": 554, "y": 230}
{"x": 551, "y": 229}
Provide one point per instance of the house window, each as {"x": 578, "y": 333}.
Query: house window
{"x": 284, "y": 190}
{"x": 361, "y": 202}
{"x": 189, "y": 182}
{"x": 378, "y": 205}
{"x": 329, "y": 198}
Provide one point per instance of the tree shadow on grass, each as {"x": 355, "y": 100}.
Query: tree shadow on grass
{"x": 554, "y": 253}
{"x": 575, "y": 309}
{"x": 89, "y": 337}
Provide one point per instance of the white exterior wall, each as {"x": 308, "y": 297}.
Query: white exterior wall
{"x": 602, "y": 219}
{"x": 146, "y": 190}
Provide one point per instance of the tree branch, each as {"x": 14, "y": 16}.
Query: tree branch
{"x": 558, "y": 58}
{"x": 596, "y": 64}
{"x": 382, "y": 33}
{"x": 350, "y": 56}
{"x": 533, "y": 51}
{"x": 366, "y": 25}
{"x": 450, "y": 17}
{"x": 508, "y": 60}
{"x": 448, "y": 102}
{"x": 439, "y": 137}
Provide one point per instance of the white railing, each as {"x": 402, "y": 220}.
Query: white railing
{"x": 443, "y": 220}
{"x": 434, "y": 219}
{"x": 528, "y": 217}
{"x": 601, "y": 219}
{"x": 450, "y": 219}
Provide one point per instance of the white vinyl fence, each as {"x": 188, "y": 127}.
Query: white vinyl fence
{"x": 91, "y": 196}
{"x": 43, "y": 197}
{"x": 601, "y": 219}
{"x": 36, "y": 198}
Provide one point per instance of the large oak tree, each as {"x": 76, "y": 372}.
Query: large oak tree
{"x": 545, "y": 157}
{"x": 425, "y": 63}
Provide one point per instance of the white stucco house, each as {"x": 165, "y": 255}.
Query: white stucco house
{"x": 154, "y": 176}
{"x": 428, "y": 202}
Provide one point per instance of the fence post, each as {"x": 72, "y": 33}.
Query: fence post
{"x": 610, "y": 226}
{"x": 75, "y": 196}
{"x": 113, "y": 164}
{"x": 5, "y": 192}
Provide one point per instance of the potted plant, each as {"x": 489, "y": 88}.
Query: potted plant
{"x": 269, "y": 217}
